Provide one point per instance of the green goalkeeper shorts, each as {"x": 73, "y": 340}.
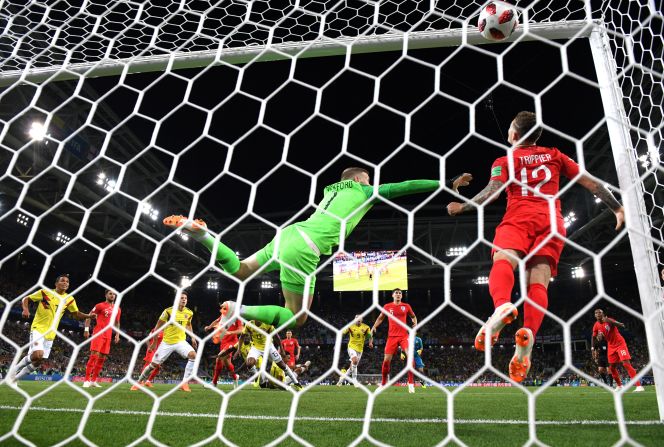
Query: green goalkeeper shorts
{"x": 294, "y": 254}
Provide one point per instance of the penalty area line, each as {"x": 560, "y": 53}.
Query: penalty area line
{"x": 332, "y": 419}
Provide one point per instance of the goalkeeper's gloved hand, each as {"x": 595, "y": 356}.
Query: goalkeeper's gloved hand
{"x": 403, "y": 356}
{"x": 419, "y": 352}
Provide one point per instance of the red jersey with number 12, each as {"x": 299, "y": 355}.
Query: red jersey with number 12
{"x": 610, "y": 333}
{"x": 104, "y": 311}
{"x": 400, "y": 311}
{"x": 539, "y": 168}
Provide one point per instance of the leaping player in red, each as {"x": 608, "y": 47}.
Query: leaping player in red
{"x": 526, "y": 229}
{"x": 227, "y": 339}
{"x": 153, "y": 344}
{"x": 607, "y": 328}
{"x": 397, "y": 334}
{"x": 289, "y": 345}
{"x": 101, "y": 344}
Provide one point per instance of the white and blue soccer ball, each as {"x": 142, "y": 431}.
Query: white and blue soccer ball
{"x": 497, "y": 21}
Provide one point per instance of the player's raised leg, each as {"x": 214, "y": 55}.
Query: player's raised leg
{"x": 501, "y": 283}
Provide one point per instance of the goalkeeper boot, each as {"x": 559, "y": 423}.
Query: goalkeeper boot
{"x": 520, "y": 363}
{"x": 502, "y": 316}
{"x": 196, "y": 228}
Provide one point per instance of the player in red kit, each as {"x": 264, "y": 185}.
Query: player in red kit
{"x": 289, "y": 345}
{"x": 102, "y": 334}
{"x": 153, "y": 344}
{"x": 607, "y": 328}
{"x": 397, "y": 334}
{"x": 227, "y": 339}
{"x": 526, "y": 229}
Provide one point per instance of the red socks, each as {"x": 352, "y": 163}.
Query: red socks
{"x": 98, "y": 366}
{"x": 615, "y": 375}
{"x": 501, "y": 282}
{"x": 410, "y": 378}
{"x": 154, "y": 373}
{"x": 631, "y": 371}
{"x": 218, "y": 367}
{"x": 385, "y": 370}
{"x": 90, "y": 366}
{"x": 532, "y": 317}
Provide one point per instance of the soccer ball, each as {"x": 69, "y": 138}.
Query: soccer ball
{"x": 497, "y": 21}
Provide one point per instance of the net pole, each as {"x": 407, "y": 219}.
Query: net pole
{"x": 318, "y": 48}
{"x": 645, "y": 263}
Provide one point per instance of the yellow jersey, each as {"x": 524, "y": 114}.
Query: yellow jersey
{"x": 357, "y": 336}
{"x": 277, "y": 372}
{"x": 257, "y": 338}
{"x": 50, "y": 310}
{"x": 244, "y": 350}
{"x": 175, "y": 334}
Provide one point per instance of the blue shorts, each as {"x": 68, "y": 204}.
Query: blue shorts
{"x": 418, "y": 362}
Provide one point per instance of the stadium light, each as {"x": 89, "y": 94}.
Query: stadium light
{"x": 148, "y": 210}
{"x": 569, "y": 219}
{"x": 106, "y": 182}
{"x": 212, "y": 285}
{"x": 267, "y": 285}
{"x": 597, "y": 199}
{"x": 481, "y": 280}
{"x": 456, "y": 251}
{"x": 62, "y": 238}
{"x": 578, "y": 272}
{"x": 22, "y": 219}
{"x": 37, "y": 131}
{"x": 185, "y": 281}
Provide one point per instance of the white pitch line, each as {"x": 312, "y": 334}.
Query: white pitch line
{"x": 332, "y": 419}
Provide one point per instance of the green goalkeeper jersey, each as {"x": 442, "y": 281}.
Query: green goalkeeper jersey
{"x": 348, "y": 200}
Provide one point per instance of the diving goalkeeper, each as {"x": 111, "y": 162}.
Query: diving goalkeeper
{"x": 296, "y": 250}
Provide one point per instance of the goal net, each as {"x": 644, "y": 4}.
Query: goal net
{"x": 115, "y": 114}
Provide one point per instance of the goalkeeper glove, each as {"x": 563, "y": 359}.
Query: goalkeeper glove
{"x": 403, "y": 356}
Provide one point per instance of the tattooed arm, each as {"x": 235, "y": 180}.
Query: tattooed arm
{"x": 488, "y": 194}
{"x": 606, "y": 196}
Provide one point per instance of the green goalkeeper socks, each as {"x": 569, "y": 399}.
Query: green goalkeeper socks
{"x": 274, "y": 315}
{"x": 226, "y": 257}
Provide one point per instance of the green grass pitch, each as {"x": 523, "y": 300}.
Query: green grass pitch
{"x": 330, "y": 416}
{"x": 396, "y": 277}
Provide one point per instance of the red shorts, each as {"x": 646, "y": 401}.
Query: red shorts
{"x": 291, "y": 360}
{"x": 101, "y": 344}
{"x": 225, "y": 346}
{"x": 525, "y": 233}
{"x": 394, "y": 342}
{"x": 619, "y": 354}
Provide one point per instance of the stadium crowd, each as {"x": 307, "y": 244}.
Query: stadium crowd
{"x": 448, "y": 354}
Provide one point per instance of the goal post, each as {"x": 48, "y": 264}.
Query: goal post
{"x": 272, "y": 52}
{"x": 638, "y": 226}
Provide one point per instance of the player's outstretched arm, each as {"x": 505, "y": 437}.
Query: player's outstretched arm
{"x": 606, "y": 196}
{"x": 487, "y": 195}
{"x": 616, "y": 323}
{"x": 212, "y": 325}
{"x": 78, "y": 315}
{"x": 394, "y": 190}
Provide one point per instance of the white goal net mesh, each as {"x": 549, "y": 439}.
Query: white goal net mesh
{"x": 115, "y": 114}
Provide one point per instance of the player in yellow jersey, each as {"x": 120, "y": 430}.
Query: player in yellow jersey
{"x": 280, "y": 376}
{"x": 51, "y": 306}
{"x": 358, "y": 332}
{"x": 258, "y": 343}
{"x": 174, "y": 340}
